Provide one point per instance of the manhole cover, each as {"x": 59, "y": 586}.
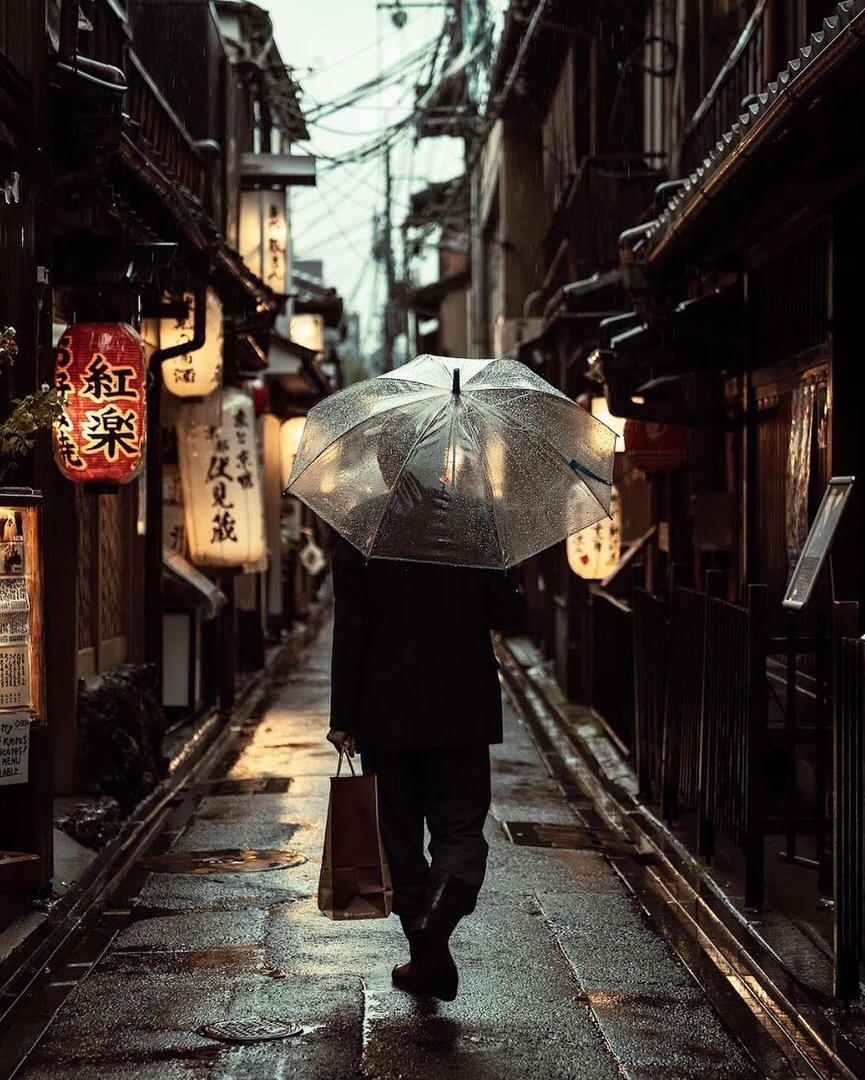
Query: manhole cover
{"x": 575, "y": 837}
{"x": 226, "y": 860}
{"x": 250, "y": 1029}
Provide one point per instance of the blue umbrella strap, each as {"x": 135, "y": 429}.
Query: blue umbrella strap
{"x": 577, "y": 467}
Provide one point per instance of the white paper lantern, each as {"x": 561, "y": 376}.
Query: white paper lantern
{"x": 595, "y": 552}
{"x": 199, "y": 373}
{"x": 264, "y": 236}
{"x": 290, "y": 434}
{"x": 222, "y": 490}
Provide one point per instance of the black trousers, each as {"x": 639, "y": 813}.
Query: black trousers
{"x": 448, "y": 791}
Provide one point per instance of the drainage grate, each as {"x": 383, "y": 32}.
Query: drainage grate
{"x": 574, "y": 837}
{"x": 249, "y": 1030}
{"x": 227, "y": 860}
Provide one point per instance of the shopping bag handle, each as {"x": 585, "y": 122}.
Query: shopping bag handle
{"x": 343, "y": 754}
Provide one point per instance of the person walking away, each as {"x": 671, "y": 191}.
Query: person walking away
{"x": 415, "y": 690}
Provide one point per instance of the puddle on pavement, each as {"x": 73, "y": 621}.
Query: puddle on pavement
{"x": 222, "y": 861}
{"x": 316, "y": 745}
{"x": 249, "y": 785}
{"x": 157, "y": 960}
{"x": 573, "y": 837}
{"x": 125, "y": 1059}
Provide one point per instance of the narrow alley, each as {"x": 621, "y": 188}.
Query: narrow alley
{"x": 212, "y": 959}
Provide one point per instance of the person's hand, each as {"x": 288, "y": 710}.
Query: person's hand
{"x": 342, "y": 740}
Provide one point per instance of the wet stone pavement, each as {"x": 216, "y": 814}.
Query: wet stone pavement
{"x": 561, "y": 974}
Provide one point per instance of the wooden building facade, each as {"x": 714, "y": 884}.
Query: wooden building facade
{"x": 139, "y": 140}
{"x": 666, "y": 202}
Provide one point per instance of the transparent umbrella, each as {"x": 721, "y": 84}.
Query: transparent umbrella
{"x": 446, "y": 460}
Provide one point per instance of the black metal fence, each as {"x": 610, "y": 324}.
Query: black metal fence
{"x": 650, "y": 687}
{"x": 613, "y": 665}
{"x": 694, "y": 671}
{"x": 733, "y": 725}
{"x": 741, "y": 77}
{"x": 686, "y": 633}
{"x": 699, "y": 706}
{"x": 848, "y": 885}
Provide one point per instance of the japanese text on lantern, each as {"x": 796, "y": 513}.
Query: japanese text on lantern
{"x": 198, "y": 372}
{"x": 100, "y": 367}
{"x": 223, "y": 471}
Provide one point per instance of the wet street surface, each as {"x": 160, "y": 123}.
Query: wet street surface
{"x": 212, "y": 960}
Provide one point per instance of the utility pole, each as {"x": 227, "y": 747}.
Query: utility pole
{"x": 390, "y": 272}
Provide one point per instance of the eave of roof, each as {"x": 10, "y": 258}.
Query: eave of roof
{"x": 195, "y": 227}
{"x": 841, "y": 36}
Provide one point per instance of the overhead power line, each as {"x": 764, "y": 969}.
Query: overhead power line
{"x": 395, "y": 73}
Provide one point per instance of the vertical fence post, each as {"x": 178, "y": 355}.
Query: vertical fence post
{"x": 642, "y": 692}
{"x": 791, "y": 810}
{"x": 822, "y": 755}
{"x": 705, "y": 761}
{"x": 756, "y": 745}
{"x": 671, "y": 738}
{"x": 848, "y": 798}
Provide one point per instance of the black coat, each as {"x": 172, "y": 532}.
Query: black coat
{"x": 413, "y": 662}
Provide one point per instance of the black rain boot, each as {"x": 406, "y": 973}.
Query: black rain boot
{"x": 408, "y": 976}
{"x": 449, "y": 899}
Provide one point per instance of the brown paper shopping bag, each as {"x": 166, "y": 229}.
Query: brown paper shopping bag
{"x": 355, "y": 879}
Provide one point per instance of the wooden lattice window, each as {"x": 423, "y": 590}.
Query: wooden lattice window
{"x": 104, "y": 524}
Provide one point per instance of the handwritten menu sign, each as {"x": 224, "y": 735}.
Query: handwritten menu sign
{"x": 14, "y": 749}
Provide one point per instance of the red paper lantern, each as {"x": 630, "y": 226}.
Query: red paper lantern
{"x": 101, "y": 367}
{"x": 260, "y": 395}
{"x": 655, "y": 448}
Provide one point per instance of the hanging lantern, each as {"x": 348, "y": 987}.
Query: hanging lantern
{"x": 263, "y": 240}
{"x": 594, "y": 553}
{"x": 221, "y": 481}
{"x": 102, "y": 370}
{"x": 308, "y": 330}
{"x": 655, "y": 448}
{"x": 290, "y": 434}
{"x": 260, "y": 395}
{"x": 194, "y": 374}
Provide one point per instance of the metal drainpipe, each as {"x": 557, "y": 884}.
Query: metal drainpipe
{"x": 68, "y": 30}
{"x": 153, "y": 543}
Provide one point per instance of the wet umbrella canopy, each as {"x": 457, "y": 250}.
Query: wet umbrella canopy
{"x": 465, "y": 462}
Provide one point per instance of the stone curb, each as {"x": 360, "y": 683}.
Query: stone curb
{"x": 589, "y": 759}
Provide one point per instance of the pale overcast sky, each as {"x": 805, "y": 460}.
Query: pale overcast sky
{"x": 334, "y": 46}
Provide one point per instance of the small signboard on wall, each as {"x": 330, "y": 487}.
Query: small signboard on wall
{"x": 817, "y": 543}
{"x": 14, "y": 749}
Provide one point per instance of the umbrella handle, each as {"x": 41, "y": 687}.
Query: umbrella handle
{"x": 577, "y": 467}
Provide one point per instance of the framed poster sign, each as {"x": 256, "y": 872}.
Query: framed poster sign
{"x": 21, "y": 615}
{"x": 817, "y": 543}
